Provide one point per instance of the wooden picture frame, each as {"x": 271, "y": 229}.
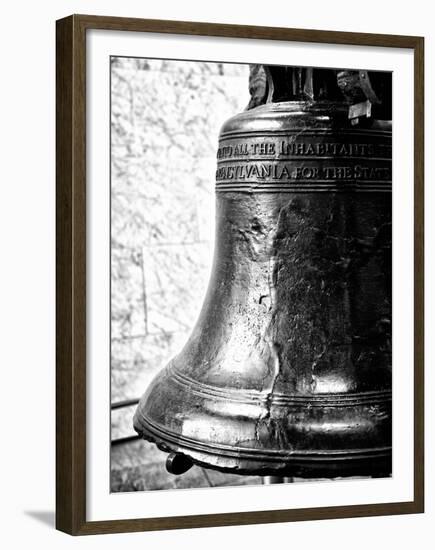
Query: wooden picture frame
{"x": 71, "y": 273}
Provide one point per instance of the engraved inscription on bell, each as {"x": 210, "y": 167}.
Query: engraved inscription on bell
{"x": 305, "y": 157}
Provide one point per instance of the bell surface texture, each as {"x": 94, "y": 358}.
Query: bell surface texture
{"x": 288, "y": 369}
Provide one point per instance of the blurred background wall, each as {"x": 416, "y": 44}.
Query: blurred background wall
{"x": 165, "y": 121}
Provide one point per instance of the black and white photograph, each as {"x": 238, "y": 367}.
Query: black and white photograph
{"x": 213, "y": 280}
{"x": 251, "y": 274}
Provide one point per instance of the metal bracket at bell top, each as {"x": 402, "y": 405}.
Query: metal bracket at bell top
{"x": 352, "y": 87}
{"x": 363, "y": 109}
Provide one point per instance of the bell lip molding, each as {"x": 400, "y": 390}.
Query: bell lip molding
{"x": 72, "y": 226}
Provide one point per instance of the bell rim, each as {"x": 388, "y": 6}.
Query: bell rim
{"x": 237, "y": 460}
{"x": 152, "y": 423}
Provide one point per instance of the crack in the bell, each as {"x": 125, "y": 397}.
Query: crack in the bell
{"x": 274, "y": 348}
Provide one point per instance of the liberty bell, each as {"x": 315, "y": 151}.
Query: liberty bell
{"x": 288, "y": 369}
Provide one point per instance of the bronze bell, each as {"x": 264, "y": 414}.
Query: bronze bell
{"x": 288, "y": 369}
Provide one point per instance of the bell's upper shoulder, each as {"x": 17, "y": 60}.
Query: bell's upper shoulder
{"x": 289, "y": 116}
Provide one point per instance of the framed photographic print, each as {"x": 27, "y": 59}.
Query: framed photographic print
{"x": 239, "y": 275}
